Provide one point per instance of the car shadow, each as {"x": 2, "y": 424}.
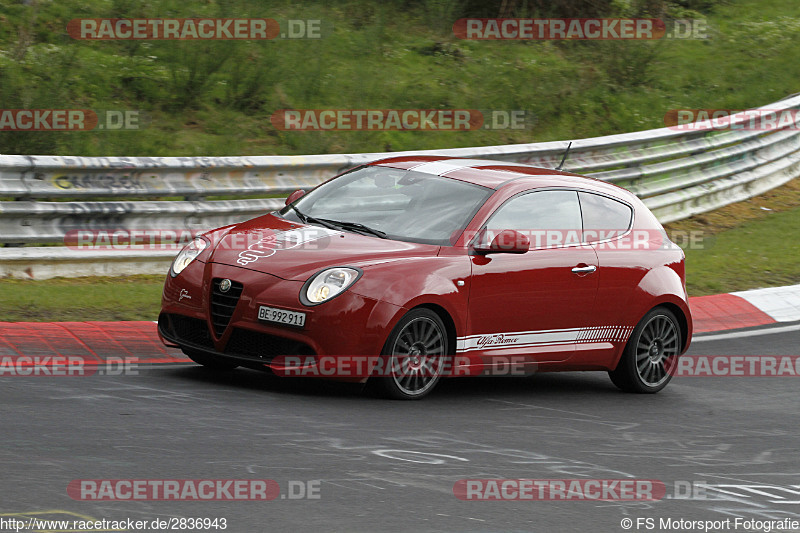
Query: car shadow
{"x": 265, "y": 381}
{"x": 565, "y": 384}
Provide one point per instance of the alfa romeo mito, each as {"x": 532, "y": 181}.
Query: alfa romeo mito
{"x": 419, "y": 268}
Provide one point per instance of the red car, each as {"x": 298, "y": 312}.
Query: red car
{"x": 423, "y": 267}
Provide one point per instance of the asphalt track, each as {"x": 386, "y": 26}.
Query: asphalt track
{"x": 391, "y": 466}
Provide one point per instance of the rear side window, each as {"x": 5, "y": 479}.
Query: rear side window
{"x": 603, "y": 217}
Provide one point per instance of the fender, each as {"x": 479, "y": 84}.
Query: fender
{"x": 664, "y": 285}
{"x": 661, "y": 285}
{"x": 420, "y": 281}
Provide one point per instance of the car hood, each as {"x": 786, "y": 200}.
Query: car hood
{"x": 295, "y": 251}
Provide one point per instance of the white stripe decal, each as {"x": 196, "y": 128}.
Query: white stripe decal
{"x": 440, "y": 168}
{"x": 527, "y": 339}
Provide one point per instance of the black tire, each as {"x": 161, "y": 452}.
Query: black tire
{"x": 651, "y": 353}
{"x": 209, "y": 361}
{"x": 416, "y": 353}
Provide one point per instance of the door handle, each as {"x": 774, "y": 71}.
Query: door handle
{"x": 584, "y": 269}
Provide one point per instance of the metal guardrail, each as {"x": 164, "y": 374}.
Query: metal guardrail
{"x": 676, "y": 172}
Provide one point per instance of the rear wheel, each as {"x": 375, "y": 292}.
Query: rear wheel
{"x": 209, "y": 361}
{"x": 415, "y": 356}
{"x": 651, "y": 353}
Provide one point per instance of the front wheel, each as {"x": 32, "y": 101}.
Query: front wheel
{"x": 415, "y": 355}
{"x": 651, "y": 353}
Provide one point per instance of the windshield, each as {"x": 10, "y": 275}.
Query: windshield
{"x": 398, "y": 204}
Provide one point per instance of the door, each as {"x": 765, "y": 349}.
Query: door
{"x": 534, "y": 304}
{"x": 606, "y": 222}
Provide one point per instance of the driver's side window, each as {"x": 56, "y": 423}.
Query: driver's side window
{"x": 548, "y": 218}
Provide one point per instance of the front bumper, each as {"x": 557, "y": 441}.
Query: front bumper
{"x": 349, "y": 324}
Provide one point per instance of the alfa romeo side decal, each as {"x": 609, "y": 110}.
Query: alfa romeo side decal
{"x": 522, "y": 339}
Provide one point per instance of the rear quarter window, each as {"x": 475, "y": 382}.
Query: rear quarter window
{"x": 603, "y": 217}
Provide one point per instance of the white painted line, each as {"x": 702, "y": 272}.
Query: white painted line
{"x": 781, "y": 303}
{"x": 740, "y": 334}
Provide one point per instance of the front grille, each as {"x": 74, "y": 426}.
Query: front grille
{"x": 262, "y": 346}
{"x": 185, "y": 329}
{"x": 223, "y": 304}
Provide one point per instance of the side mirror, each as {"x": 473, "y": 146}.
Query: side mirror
{"x": 294, "y": 196}
{"x": 507, "y": 241}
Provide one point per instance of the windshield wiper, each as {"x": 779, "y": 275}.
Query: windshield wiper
{"x": 356, "y": 226}
{"x": 337, "y": 224}
{"x": 305, "y": 219}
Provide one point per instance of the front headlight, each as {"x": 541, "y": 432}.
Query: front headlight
{"x": 187, "y": 255}
{"x": 328, "y": 284}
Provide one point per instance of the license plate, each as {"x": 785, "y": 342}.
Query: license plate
{"x": 282, "y": 316}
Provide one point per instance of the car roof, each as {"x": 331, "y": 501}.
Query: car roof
{"x": 497, "y": 174}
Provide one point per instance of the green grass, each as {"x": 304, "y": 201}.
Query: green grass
{"x": 215, "y": 98}
{"x": 79, "y": 299}
{"x": 758, "y": 253}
